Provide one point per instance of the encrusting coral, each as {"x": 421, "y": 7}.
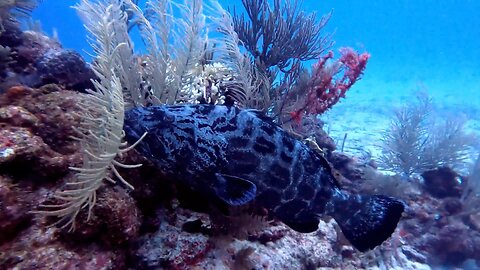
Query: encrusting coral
{"x": 33, "y": 59}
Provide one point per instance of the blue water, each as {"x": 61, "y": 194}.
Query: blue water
{"x": 429, "y": 46}
{"x": 423, "y": 44}
{"x": 435, "y": 34}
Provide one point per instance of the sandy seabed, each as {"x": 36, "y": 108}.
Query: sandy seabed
{"x": 368, "y": 109}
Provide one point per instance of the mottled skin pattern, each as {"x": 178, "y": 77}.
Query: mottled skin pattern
{"x": 195, "y": 142}
{"x": 237, "y": 156}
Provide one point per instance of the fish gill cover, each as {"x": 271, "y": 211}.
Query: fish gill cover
{"x": 198, "y": 53}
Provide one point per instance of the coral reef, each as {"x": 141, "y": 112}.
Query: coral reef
{"x": 100, "y": 134}
{"x": 442, "y": 236}
{"x": 13, "y": 209}
{"x": 30, "y": 170}
{"x": 44, "y": 104}
{"x": 441, "y": 204}
{"x": 41, "y": 248}
{"x": 43, "y": 109}
{"x": 34, "y": 59}
{"x": 203, "y": 252}
{"x": 26, "y": 136}
{"x": 140, "y": 229}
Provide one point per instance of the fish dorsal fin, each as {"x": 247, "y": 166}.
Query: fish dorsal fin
{"x": 234, "y": 190}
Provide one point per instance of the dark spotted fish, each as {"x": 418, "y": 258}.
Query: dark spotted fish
{"x": 239, "y": 156}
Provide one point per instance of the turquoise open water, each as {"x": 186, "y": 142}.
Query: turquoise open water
{"x": 434, "y": 44}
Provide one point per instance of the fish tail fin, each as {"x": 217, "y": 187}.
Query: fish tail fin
{"x": 370, "y": 220}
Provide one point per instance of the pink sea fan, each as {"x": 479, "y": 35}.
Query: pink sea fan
{"x": 330, "y": 81}
{"x": 354, "y": 62}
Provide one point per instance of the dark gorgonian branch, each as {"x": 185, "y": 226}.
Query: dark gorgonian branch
{"x": 280, "y": 35}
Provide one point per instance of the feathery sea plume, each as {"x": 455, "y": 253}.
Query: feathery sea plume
{"x": 175, "y": 46}
{"x": 155, "y": 62}
{"x": 249, "y": 88}
{"x": 416, "y": 141}
{"x": 127, "y": 68}
{"x": 101, "y": 134}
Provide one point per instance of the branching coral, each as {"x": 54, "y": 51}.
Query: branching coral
{"x": 416, "y": 142}
{"x": 175, "y": 37}
{"x": 278, "y": 39}
{"x": 280, "y": 35}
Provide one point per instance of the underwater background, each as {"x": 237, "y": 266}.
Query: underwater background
{"x": 424, "y": 46}
{"x": 407, "y": 127}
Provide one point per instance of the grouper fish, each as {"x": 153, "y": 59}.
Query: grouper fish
{"x": 240, "y": 156}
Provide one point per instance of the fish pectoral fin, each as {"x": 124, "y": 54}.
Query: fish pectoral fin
{"x": 234, "y": 190}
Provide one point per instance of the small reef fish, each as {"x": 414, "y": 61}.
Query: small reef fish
{"x": 239, "y": 156}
